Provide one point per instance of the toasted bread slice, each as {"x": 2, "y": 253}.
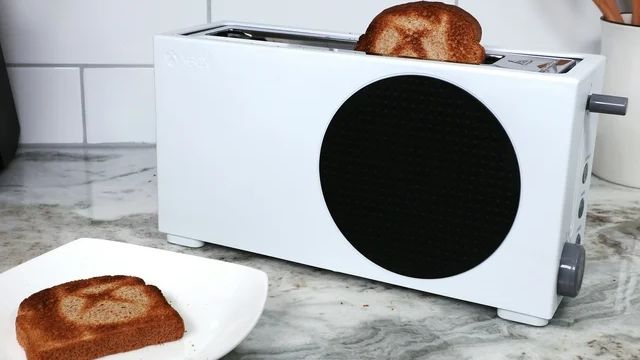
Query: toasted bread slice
{"x": 426, "y": 30}
{"x": 95, "y": 317}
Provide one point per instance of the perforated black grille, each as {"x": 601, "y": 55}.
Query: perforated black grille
{"x": 419, "y": 176}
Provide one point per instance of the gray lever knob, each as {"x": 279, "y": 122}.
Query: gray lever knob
{"x": 571, "y": 270}
{"x": 607, "y": 104}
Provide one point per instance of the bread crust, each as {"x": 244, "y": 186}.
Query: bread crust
{"x": 48, "y": 329}
{"x": 426, "y": 30}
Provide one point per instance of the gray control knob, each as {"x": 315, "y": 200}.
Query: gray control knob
{"x": 607, "y": 104}
{"x": 571, "y": 270}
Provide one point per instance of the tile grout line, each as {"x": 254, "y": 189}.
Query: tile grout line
{"x": 86, "y": 66}
{"x": 209, "y": 10}
{"x": 83, "y": 106}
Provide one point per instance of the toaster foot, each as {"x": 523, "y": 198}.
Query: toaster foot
{"x": 522, "y": 318}
{"x": 179, "y": 240}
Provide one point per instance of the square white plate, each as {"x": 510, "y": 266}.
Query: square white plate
{"x": 219, "y": 302}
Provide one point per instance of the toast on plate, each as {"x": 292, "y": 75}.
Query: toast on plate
{"x": 91, "y": 318}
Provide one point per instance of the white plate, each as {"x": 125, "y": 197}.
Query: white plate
{"x": 219, "y": 302}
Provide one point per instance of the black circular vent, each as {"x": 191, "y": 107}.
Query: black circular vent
{"x": 419, "y": 176}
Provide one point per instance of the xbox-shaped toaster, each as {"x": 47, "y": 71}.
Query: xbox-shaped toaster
{"x": 468, "y": 181}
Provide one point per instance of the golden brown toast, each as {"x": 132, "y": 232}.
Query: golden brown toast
{"x": 425, "y": 30}
{"x": 95, "y": 317}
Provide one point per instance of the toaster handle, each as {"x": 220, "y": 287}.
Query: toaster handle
{"x": 607, "y": 104}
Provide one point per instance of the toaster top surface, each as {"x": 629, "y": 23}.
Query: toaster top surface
{"x": 346, "y": 42}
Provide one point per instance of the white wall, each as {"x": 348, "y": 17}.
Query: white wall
{"x": 81, "y": 70}
{"x": 344, "y": 16}
{"x": 566, "y": 25}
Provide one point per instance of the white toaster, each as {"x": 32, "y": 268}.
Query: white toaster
{"x": 468, "y": 181}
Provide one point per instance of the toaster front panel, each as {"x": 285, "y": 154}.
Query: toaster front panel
{"x": 241, "y": 132}
{"x": 419, "y": 176}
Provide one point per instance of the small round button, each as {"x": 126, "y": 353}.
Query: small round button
{"x": 585, "y": 173}
{"x": 581, "y": 209}
{"x": 578, "y": 239}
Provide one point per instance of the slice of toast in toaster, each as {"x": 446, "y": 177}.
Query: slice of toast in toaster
{"x": 95, "y": 317}
{"x": 426, "y": 30}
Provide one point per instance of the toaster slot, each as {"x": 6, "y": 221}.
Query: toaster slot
{"x": 492, "y": 58}
{"x": 514, "y": 61}
{"x": 286, "y": 38}
{"x": 535, "y": 63}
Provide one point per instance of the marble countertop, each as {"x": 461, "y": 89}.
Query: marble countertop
{"x": 51, "y": 196}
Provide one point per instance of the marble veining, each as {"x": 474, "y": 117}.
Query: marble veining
{"x": 51, "y": 196}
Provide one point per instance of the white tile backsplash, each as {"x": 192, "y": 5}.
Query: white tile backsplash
{"x": 567, "y": 25}
{"x": 49, "y": 104}
{"x": 119, "y": 105}
{"x": 90, "y": 31}
{"x": 337, "y": 15}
